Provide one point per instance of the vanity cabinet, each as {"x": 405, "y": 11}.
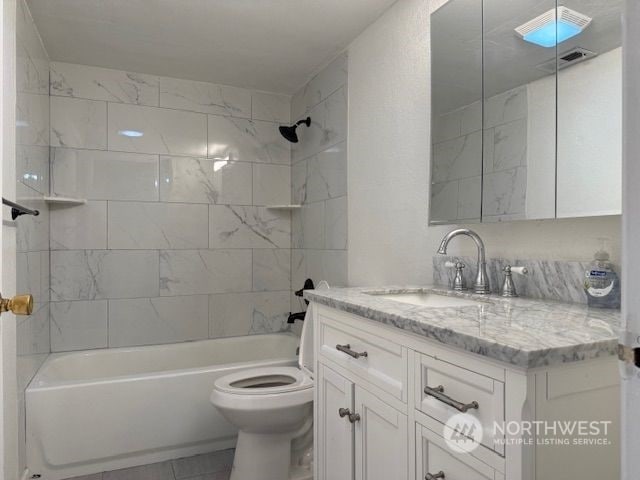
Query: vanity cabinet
{"x": 384, "y": 396}
{"x": 358, "y": 435}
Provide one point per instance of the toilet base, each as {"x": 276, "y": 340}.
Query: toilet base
{"x": 266, "y": 457}
{"x": 262, "y": 457}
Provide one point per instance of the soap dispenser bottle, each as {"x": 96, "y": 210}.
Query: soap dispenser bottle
{"x": 602, "y": 284}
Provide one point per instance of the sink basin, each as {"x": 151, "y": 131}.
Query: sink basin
{"x": 428, "y": 299}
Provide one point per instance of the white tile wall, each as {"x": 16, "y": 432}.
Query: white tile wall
{"x": 79, "y": 325}
{"x": 248, "y": 227}
{"x": 144, "y": 225}
{"x": 163, "y": 131}
{"x": 78, "y": 123}
{"x": 326, "y": 175}
{"x": 271, "y": 269}
{"x": 271, "y": 184}
{"x": 81, "y": 227}
{"x": 101, "y": 175}
{"x": 247, "y": 141}
{"x": 32, "y": 119}
{"x": 270, "y": 107}
{"x": 330, "y": 79}
{"x": 205, "y": 97}
{"x": 328, "y": 126}
{"x": 175, "y": 218}
{"x": 184, "y": 272}
{"x": 100, "y": 274}
{"x": 147, "y": 321}
{"x": 32, "y": 167}
{"x": 237, "y": 313}
{"x": 319, "y": 180}
{"x": 94, "y": 83}
{"x": 201, "y": 180}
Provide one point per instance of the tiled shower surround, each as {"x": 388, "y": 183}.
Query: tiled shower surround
{"x": 175, "y": 241}
{"x": 319, "y": 179}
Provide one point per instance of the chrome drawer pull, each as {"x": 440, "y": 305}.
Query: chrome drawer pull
{"x": 345, "y": 412}
{"x": 430, "y": 476}
{"x": 438, "y": 394}
{"x": 347, "y": 349}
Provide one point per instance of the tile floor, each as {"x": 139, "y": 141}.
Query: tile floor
{"x": 209, "y": 466}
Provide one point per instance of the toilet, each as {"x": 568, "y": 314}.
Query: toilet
{"x": 273, "y": 410}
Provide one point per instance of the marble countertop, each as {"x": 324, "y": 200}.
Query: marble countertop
{"x": 520, "y": 331}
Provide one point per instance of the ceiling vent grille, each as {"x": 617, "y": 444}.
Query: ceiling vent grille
{"x": 567, "y": 59}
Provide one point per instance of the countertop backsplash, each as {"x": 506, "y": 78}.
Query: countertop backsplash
{"x": 547, "y": 279}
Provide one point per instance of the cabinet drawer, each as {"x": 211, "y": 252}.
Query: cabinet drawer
{"x": 434, "y": 458}
{"x": 375, "y": 359}
{"x": 444, "y": 389}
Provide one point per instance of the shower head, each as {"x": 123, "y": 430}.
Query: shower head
{"x": 290, "y": 132}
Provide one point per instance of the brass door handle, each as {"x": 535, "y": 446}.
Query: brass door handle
{"x": 19, "y": 305}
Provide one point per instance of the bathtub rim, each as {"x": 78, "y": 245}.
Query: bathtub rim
{"x": 33, "y": 385}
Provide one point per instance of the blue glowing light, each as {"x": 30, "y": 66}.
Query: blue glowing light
{"x": 130, "y": 133}
{"x": 545, "y": 36}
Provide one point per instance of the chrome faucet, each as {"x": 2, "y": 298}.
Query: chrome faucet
{"x": 481, "y": 283}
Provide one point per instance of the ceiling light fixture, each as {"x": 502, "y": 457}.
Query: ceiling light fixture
{"x": 553, "y": 27}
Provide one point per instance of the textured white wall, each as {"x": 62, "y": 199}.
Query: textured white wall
{"x": 389, "y": 240}
{"x": 388, "y": 149}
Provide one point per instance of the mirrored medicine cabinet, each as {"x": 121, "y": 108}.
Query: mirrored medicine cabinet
{"x": 526, "y": 110}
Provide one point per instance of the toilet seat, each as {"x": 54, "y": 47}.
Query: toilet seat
{"x": 264, "y": 381}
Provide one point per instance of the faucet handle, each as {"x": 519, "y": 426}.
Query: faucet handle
{"x": 518, "y": 270}
{"x": 457, "y": 264}
{"x": 508, "y": 287}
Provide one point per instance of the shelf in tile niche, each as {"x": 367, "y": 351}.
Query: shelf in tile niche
{"x": 65, "y": 201}
{"x": 283, "y": 207}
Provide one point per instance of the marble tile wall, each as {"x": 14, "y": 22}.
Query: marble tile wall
{"x": 471, "y": 163}
{"x": 546, "y": 279}
{"x": 175, "y": 242}
{"x": 32, "y": 184}
{"x": 319, "y": 180}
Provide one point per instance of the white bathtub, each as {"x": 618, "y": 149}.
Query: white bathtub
{"x": 99, "y": 410}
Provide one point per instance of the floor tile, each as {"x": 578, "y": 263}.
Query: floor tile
{"x": 154, "y": 471}
{"x": 203, "y": 464}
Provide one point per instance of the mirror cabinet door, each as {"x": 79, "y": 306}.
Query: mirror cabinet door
{"x": 526, "y": 110}
{"x": 456, "y": 115}
{"x": 519, "y": 115}
{"x": 589, "y": 162}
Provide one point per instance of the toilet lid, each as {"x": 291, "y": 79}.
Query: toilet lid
{"x": 265, "y": 380}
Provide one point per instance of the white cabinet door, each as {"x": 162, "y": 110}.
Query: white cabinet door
{"x": 334, "y": 434}
{"x": 381, "y": 440}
